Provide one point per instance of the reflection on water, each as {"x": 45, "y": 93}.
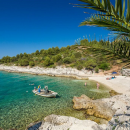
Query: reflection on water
{"x": 18, "y": 108}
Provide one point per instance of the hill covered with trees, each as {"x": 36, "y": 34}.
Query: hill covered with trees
{"x": 84, "y": 54}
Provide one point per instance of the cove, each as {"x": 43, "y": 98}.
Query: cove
{"x": 19, "y": 106}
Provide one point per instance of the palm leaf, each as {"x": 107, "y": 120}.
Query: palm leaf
{"x": 113, "y": 18}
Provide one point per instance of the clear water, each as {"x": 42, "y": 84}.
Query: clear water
{"x": 19, "y": 106}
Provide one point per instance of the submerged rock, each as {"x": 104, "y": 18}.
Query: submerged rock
{"x": 96, "y": 108}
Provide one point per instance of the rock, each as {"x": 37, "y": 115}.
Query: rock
{"x": 113, "y": 93}
{"x": 56, "y": 122}
{"x": 96, "y": 108}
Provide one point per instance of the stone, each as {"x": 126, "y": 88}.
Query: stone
{"x": 113, "y": 93}
{"x": 57, "y": 122}
{"x": 96, "y": 108}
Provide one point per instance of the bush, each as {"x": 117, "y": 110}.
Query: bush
{"x": 31, "y": 63}
{"x": 77, "y": 54}
{"x": 90, "y": 64}
{"x": 104, "y": 66}
{"x": 52, "y": 66}
{"x": 72, "y": 65}
{"x": 60, "y": 62}
{"x": 16, "y": 63}
{"x": 79, "y": 67}
{"x": 67, "y": 60}
{"x": 58, "y": 57}
{"x": 48, "y": 61}
{"x": 24, "y": 62}
{"x": 96, "y": 69}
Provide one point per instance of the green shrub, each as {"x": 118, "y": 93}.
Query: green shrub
{"x": 104, "y": 66}
{"x": 47, "y": 61}
{"x": 24, "y": 62}
{"x": 96, "y": 69}
{"x": 90, "y": 64}
{"x": 79, "y": 67}
{"x": 60, "y": 62}
{"x": 16, "y": 63}
{"x": 67, "y": 60}
{"x": 77, "y": 54}
{"x": 58, "y": 57}
{"x": 52, "y": 66}
{"x": 72, "y": 65}
{"x": 31, "y": 63}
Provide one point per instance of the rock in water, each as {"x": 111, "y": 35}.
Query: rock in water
{"x": 96, "y": 108}
{"x": 113, "y": 93}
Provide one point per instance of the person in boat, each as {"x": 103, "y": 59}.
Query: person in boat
{"x": 46, "y": 89}
{"x": 39, "y": 88}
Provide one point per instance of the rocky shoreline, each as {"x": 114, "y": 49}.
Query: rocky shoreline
{"x": 59, "y": 71}
{"x": 115, "y": 109}
{"x": 119, "y": 105}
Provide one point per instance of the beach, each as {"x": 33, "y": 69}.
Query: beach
{"x": 120, "y": 84}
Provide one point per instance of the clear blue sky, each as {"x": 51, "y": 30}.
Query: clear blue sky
{"x": 30, "y": 25}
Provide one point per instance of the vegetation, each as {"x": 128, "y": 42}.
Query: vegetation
{"x": 112, "y": 18}
{"x": 91, "y": 55}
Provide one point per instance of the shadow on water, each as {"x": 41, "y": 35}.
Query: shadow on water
{"x": 58, "y": 96}
{"x": 35, "y": 126}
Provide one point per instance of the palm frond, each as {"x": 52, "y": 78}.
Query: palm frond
{"x": 113, "y": 18}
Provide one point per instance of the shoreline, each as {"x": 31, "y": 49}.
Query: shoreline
{"x": 120, "y": 84}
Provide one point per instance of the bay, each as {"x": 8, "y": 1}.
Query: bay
{"x": 19, "y": 106}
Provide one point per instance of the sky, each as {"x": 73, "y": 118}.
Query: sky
{"x": 30, "y": 25}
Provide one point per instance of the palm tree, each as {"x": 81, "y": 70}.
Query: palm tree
{"x": 112, "y": 18}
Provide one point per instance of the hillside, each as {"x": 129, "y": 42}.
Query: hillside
{"x": 90, "y": 55}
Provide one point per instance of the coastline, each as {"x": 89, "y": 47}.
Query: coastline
{"x": 118, "y": 103}
{"x": 120, "y": 84}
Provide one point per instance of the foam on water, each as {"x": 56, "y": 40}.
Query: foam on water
{"x": 19, "y": 106}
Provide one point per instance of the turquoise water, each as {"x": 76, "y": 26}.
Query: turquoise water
{"x": 19, "y": 106}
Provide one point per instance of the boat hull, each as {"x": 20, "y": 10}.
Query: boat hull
{"x": 52, "y": 94}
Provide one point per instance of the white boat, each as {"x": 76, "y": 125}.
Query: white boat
{"x": 45, "y": 93}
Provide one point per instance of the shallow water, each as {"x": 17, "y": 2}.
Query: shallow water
{"x": 19, "y": 106}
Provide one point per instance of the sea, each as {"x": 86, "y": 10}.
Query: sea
{"x": 19, "y": 106}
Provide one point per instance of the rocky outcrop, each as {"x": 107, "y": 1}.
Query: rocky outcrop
{"x": 56, "y": 122}
{"x": 119, "y": 103}
{"x": 126, "y": 72}
{"x": 96, "y": 108}
{"x": 113, "y": 93}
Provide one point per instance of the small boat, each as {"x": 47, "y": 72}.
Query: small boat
{"x": 45, "y": 93}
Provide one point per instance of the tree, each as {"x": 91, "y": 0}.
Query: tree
{"x": 21, "y": 55}
{"x": 24, "y": 62}
{"x": 37, "y": 52}
{"x": 41, "y": 51}
{"x": 50, "y": 51}
{"x": 58, "y": 57}
{"x": 31, "y": 63}
{"x": 67, "y": 60}
{"x": 57, "y": 50}
{"x": 48, "y": 61}
{"x": 112, "y": 18}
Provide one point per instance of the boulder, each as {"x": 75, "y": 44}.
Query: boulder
{"x": 113, "y": 93}
{"x": 57, "y": 122}
{"x": 96, "y": 108}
